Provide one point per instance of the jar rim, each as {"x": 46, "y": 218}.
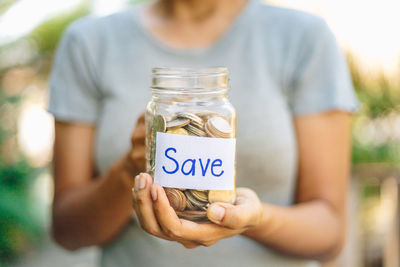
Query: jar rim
{"x": 178, "y": 80}
{"x": 189, "y": 72}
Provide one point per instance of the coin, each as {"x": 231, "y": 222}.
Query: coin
{"x": 190, "y": 205}
{"x": 227, "y": 196}
{"x": 195, "y": 131}
{"x": 194, "y": 119}
{"x": 180, "y": 131}
{"x": 176, "y": 198}
{"x": 201, "y": 195}
{"x": 160, "y": 123}
{"x": 177, "y": 123}
{"x": 194, "y": 215}
{"x": 205, "y": 115}
{"x": 218, "y": 127}
{"x": 194, "y": 201}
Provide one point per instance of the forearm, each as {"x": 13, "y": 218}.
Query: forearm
{"x": 93, "y": 214}
{"x": 311, "y": 230}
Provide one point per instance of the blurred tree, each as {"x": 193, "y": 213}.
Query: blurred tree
{"x": 19, "y": 225}
{"x": 6, "y": 4}
{"x": 47, "y": 34}
{"x": 380, "y": 105}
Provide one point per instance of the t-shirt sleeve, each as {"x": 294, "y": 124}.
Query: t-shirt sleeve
{"x": 74, "y": 95}
{"x": 320, "y": 79}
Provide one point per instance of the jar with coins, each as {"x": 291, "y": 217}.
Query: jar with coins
{"x": 191, "y": 138}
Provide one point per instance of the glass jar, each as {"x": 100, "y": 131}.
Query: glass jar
{"x": 191, "y": 138}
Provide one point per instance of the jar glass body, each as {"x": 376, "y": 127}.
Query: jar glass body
{"x": 191, "y": 102}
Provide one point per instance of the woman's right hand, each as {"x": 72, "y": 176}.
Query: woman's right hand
{"x": 137, "y": 153}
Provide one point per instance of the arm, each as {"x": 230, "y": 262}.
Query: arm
{"x": 88, "y": 210}
{"x": 315, "y": 226}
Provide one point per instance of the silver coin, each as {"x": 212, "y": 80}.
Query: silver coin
{"x": 191, "y": 116}
{"x": 160, "y": 125}
{"x": 194, "y": 130}
{"x": 177, "y": 123}
{"x": 219, "y": 125}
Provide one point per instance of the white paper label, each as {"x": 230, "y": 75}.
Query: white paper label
{"x": 194, "y": 162}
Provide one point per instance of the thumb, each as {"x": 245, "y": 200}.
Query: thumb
{"x": 224, "y": 214}
{"x": 246, "y": 211}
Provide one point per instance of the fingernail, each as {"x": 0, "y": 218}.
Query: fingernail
{"x": 142, "y": 181}
{"x": 137, "y": 183}
{"x": 217, "y": 213}
{"x": 153, "y": 192}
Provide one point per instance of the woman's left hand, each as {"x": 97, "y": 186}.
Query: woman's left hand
{"x": 158, "y": 218}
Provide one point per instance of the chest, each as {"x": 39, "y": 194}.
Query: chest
{"x": 266, "y": 148}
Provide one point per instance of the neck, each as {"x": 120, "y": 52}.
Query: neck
{"x": 196, "y": 10}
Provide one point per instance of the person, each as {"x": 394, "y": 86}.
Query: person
{"x": 294, "y": 99}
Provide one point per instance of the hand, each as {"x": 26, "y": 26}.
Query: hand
{"x": 158, "y": 218}
{"x": 136, "y": 156}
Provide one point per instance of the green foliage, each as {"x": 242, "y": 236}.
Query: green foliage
{"x": 49, "y": 32}
{"x": 380, "y": 98}
{"x": 18, "y": 223}
{"x": 6, "y": 4}
{"x": 375, "y": 153}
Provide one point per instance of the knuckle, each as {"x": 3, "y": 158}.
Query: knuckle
{"x": 189, "y": 245}
{"x": 172, "y": 232}
{"x": 140, "y": 199}
{"x": 138, "y": 136}
{"x": 169, "y": 233}
{"x": 236, "y": 222}
{"x": 150, "y": 230}
{"x": 141, "y": 118}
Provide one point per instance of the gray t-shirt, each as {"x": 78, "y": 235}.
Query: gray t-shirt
{"x": 283, "y": 63}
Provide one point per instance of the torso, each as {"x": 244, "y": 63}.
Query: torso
{"x": 266, "y": 146}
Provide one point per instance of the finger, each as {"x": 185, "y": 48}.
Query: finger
{"x": 141, "y": 118}
{"x": 243, "y": 214}
{"x": 188, "y": 244}
{"x": 144, "y": 207}
{"x": 165, "y": 214}
{"x": 139, "y": 133}
{"x": 205, "y": 233}
{"x": 137, "y": 156}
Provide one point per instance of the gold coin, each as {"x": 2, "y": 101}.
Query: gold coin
{"x": 193, "y": 215}
{"x": 176, "y": 198}
{"x": 180, "y": 131}
{"x": 227, "y": 196}
{"x": 192, "y": 203}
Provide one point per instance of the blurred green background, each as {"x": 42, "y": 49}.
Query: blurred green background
{"x": 29, "y": 33}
